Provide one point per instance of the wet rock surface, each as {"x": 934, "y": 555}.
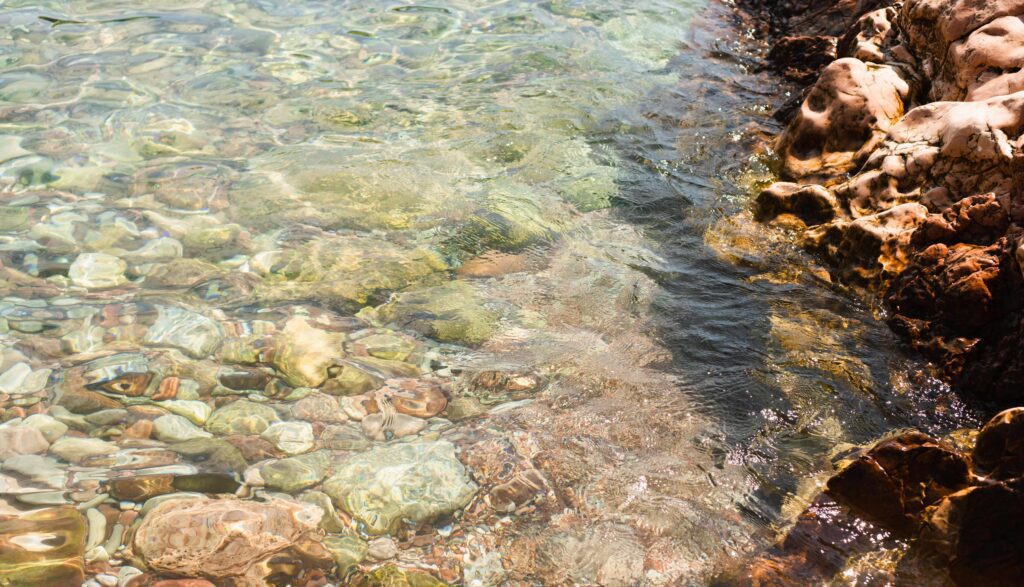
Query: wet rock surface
{"x": 921, "y": 207}
{"x": 960, "y": 516}
{"x": 914, "y": 132}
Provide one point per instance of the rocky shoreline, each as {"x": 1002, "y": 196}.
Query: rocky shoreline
{"x": 901, "y": 167}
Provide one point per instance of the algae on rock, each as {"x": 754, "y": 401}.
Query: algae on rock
{"x": 453, "y": 312}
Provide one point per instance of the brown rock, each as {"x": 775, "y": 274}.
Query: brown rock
{"x": 318, "y": 407}
{"x": 140, "y": 429}
{"x": 229, "y": 539}
{"x": 999, "y": 449}
{"x": 872, "y": 38}
{"x": 945, "y": 34}
{"x": 977, "y": 534}
{"x": 812, "y": 204}
{"x": 894, "y": 481}
{"x": 420, "y": 398}
{"x": 845, "y": 116}
{"x": 877, "y": 244}
{"x": 801, "y": 57}
{"x": 823, "y": 537}
{"x": 84, "y": 401}
{"x": 140, "y": 488}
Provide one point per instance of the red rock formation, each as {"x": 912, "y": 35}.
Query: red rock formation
{"x": 924, "y": 207}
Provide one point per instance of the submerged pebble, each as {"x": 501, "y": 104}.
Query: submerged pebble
{"x": 97, "y": 270}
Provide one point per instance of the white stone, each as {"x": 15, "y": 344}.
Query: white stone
{"x": 290, "y": 437}
{"x": 97, "y": 270}
{"x": 51, "y": 428}
{"x": 174, "y": 428}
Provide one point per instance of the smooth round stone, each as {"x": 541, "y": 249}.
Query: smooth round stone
{"x": 173, "y": 428}
{"x": 290, "y": 437}
{"x": 294, "y": 474}
{"x": 107, "y": 417}
{"x": 38, "y": 469}
{"x": 196, "y": 411}
{"x": 69, "y": 419}
{"x": 182, "y": 329}
{"x": 125, "y": 574}
{"x": 382, "y": 548}
{"x": 21, "y": 440}
{"x": 97, "y": 528}
{"x": 318, "y": 407}
{"x": 97, "y": 270}
{"x": 331, "y": 522}
{"x": 416, "y": 481}
{"x": 303, "y": 353}
{"x": 50, "y": 427}
{"x": 159, "y": 249}
{"x": 97, "y": 555}
{"x": 392, "y": 347}
{"x": 241, "y": 417}
{"x": 12, "y": 379}
{"x": 215, "y": 455}
{"x": 347, "y": 550}
{"x": 44, "y": 498}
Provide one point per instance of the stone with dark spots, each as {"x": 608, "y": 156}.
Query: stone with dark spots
{"x": 845, "y": 115}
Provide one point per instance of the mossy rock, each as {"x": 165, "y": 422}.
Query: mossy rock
{"x": 357, "y": 375}
{"x": 394, "y": 576}
{"x": 343, "y": 272}
{"x": 511, "y": 218}
{"x": 418, "y": 189}
{"x": 452, "y": 312}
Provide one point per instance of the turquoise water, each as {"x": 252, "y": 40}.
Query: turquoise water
{"x": 283, "y": 250}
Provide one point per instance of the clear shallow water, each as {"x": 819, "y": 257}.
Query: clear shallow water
{"x": 292, "y": 203}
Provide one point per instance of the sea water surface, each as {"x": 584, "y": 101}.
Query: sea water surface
{"x": 474, "y": 278}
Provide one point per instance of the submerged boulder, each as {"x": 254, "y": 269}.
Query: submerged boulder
{"x": 416, "y": 482}
{"x": 894, "y": 481}
{"x": 229, "y": 539}
{"x": 454, "y": 312}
